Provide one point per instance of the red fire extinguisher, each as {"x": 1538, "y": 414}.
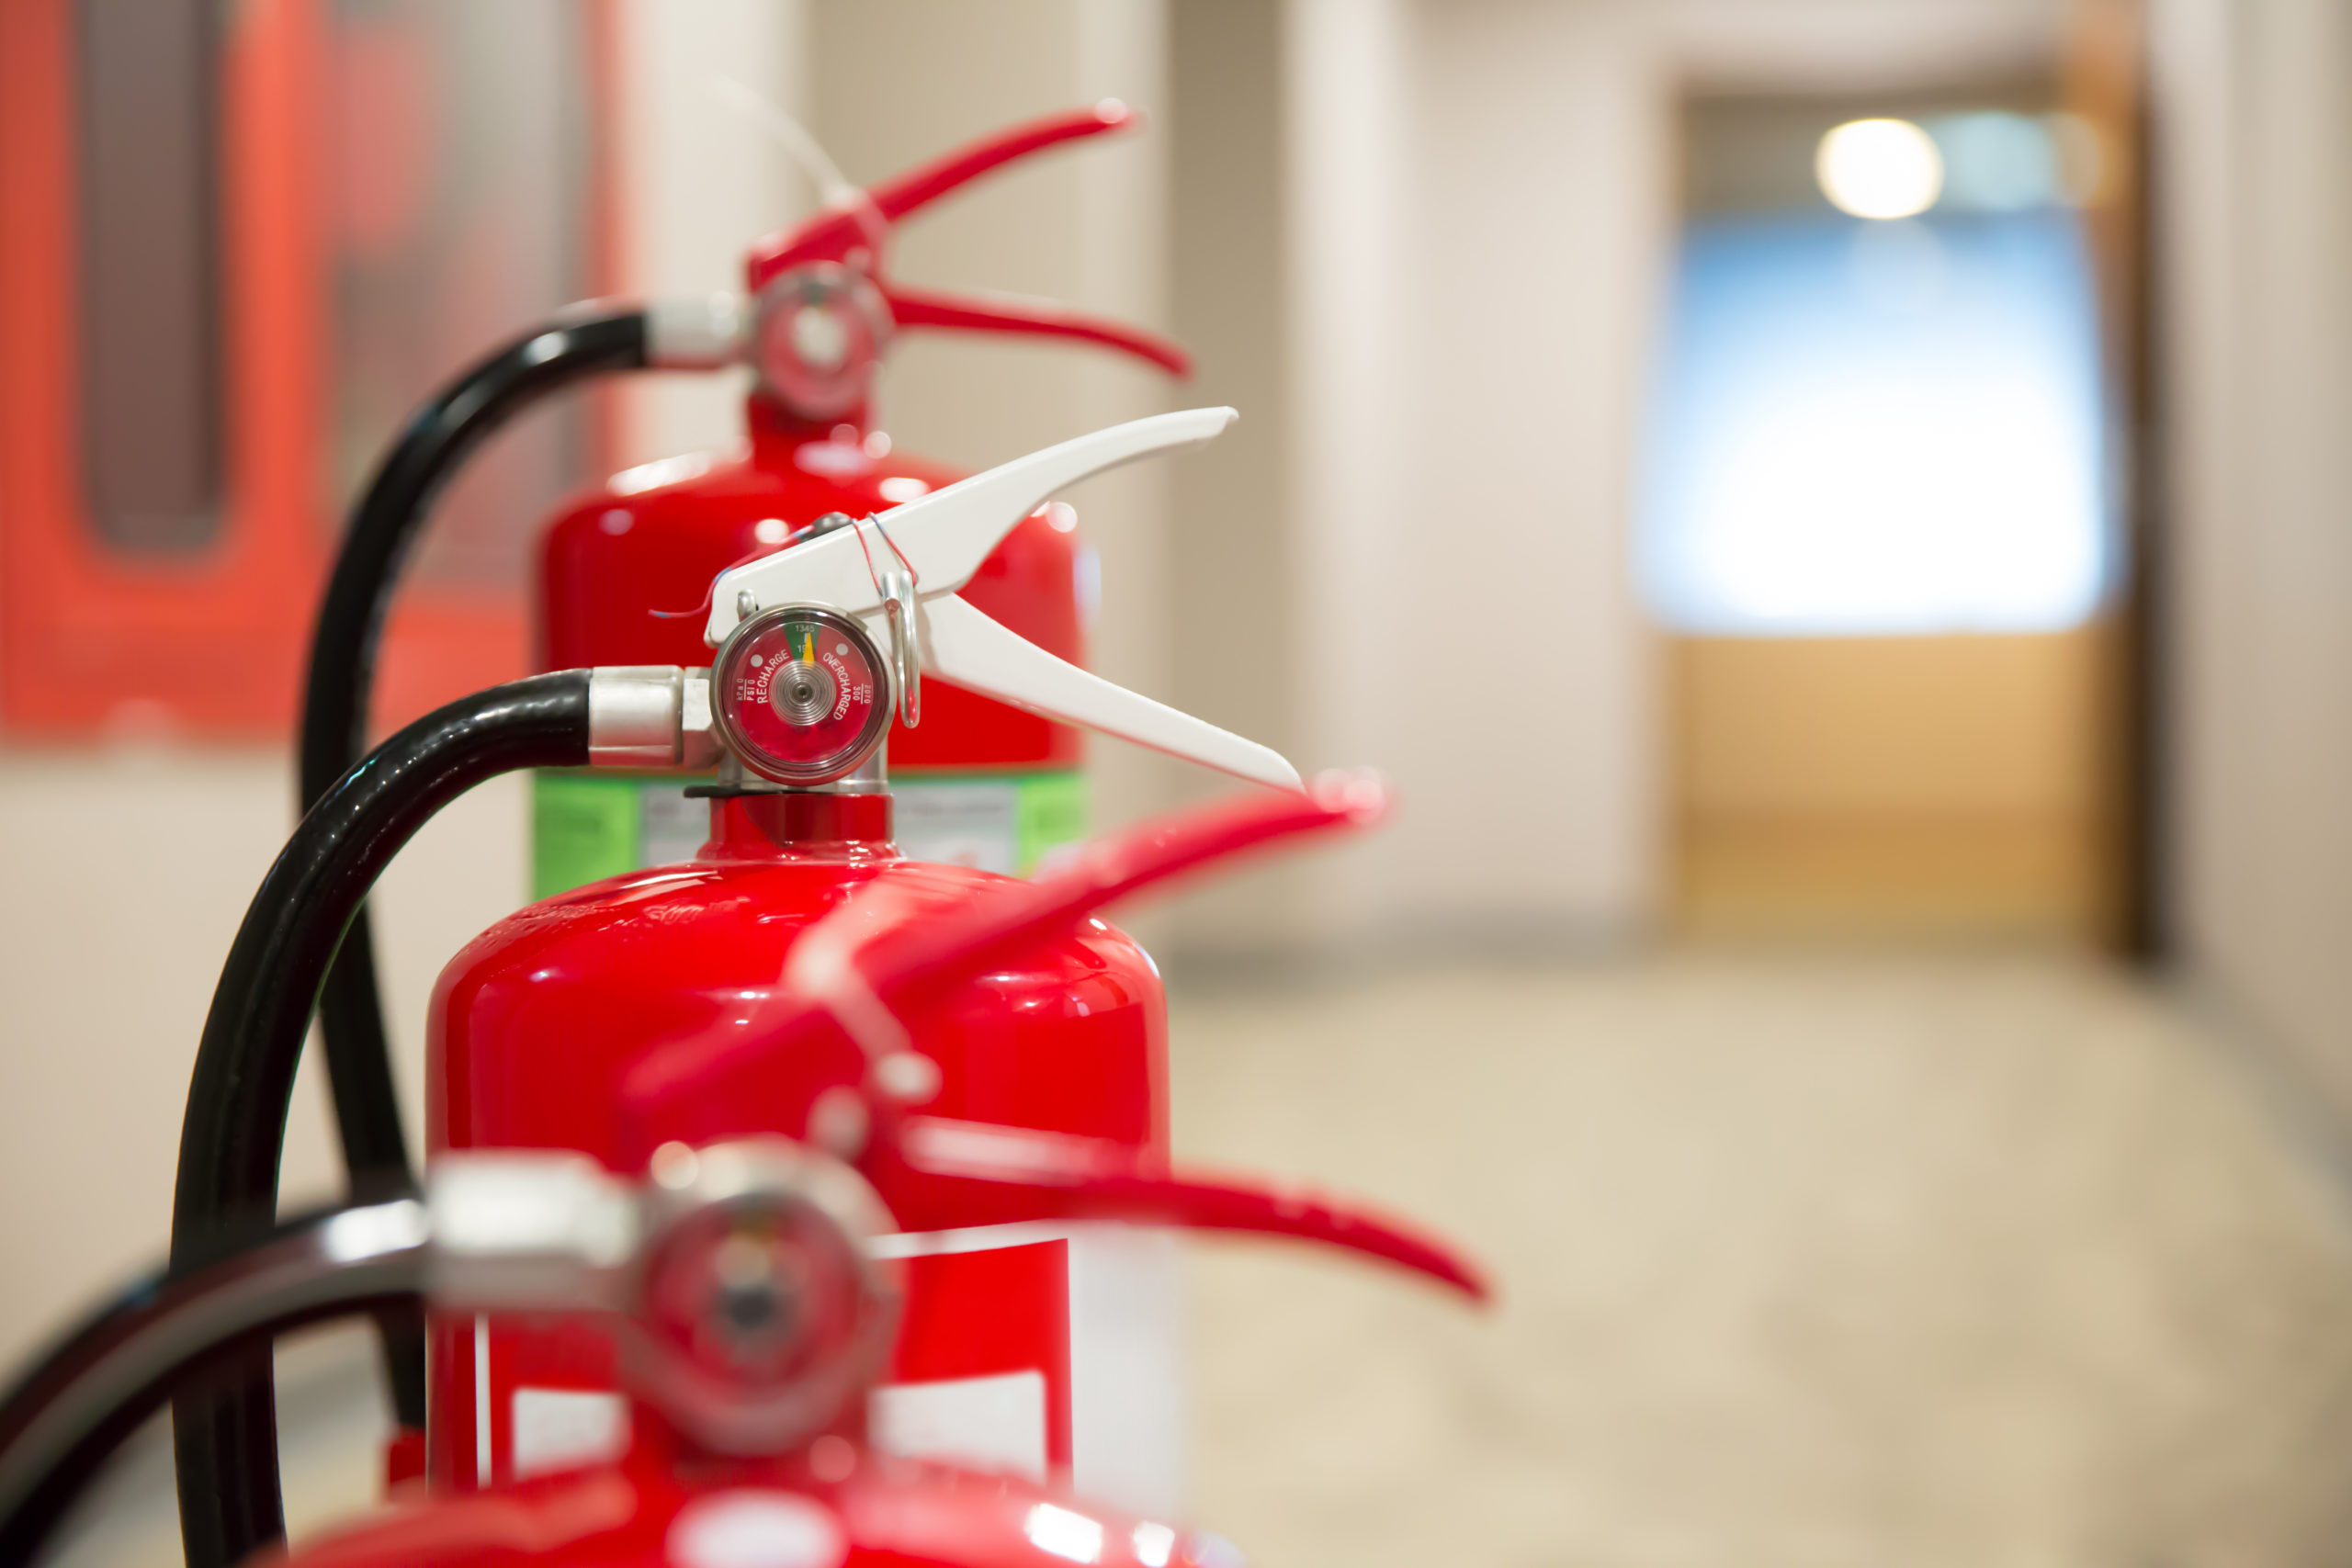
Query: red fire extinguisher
{"x": 980, "y": 782}
{"x": 983, "y": 784}
{"x": 749, "y": 1281}
{"x": 1016, "y": 1349}
{"x": 821, "y": 648}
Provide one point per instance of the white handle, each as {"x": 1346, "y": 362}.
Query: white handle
{"x": 946, "y": 534}
{"x": 963, "y": 645}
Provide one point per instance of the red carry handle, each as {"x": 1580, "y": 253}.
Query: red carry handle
{"x": 920, "y": 187}
{"x": 1029, "y": 318}
{"x": 902, "y": 962}
{"x": 941, "y": 1174}
{"x": 854, "y": 972}
{"x": 838, "y": 234}
{"x": 889, "y": 947}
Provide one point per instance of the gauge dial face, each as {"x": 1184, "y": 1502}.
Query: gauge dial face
{"x": 801, "y": 694}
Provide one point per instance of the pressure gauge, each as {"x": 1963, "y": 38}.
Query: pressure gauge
{"x": 802, "y": 694}
{"x": 762, "y": 1316}
{"x": 822, "y": 330}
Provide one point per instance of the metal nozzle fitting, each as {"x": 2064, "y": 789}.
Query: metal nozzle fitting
{"x": 649, "y": 716}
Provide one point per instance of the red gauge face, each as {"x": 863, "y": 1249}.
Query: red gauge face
{"x": 822, "y": 331}
{"x": 802, "y": 694}
{"x": 758, "y": 1295}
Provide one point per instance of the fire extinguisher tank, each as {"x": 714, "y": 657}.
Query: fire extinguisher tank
{"x": 533, "y": 1022}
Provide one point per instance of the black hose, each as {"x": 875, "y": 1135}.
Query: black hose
{"x": 226, "y": 1444}
{"x": 90, "y": 1390}
{"x": 590, "y": 341}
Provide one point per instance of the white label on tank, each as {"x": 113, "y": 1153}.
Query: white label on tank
{"x": 1125, "y": 1368}
{"x": 974, "y": 823}
{"x": 746, "y": 1529}
{"x": 563, "y": 1428}
{"x": 670, "y": 827}
{"x": 992, "y": 1423}
{"x": 1126, "y": 1385}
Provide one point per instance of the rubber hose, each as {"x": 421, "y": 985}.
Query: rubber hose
{"x": 343, "y": 648}
{"x": 77, "y": 1403}
{"x": 225, "y": 1443}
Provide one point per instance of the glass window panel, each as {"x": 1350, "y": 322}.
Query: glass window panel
{"x": 462, "y": 181}
{"x": 1874, "y": 428}
{"x": 149, "y": 306}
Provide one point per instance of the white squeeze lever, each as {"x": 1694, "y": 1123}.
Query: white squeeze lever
{"x": 938, "y": 541}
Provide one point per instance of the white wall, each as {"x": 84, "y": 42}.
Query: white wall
{"x": 128, "y": 872}
{"x": 1839, "y": 46}
{"x": 2254, "y": 117}
{"x": 1479, "y": 202}
{"x": 699, "y": 181}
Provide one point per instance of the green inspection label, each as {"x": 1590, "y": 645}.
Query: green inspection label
{"x": 586, "y": 825}
{"x": 584, "y": 829}
{"x": 1052, "y": 816}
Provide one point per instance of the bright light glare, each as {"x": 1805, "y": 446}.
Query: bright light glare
{"x": 1072, "y": 1536}
{"x": 1153, "y": 1545}
{"x": 1840, "y": 451}
{"x": 359, "y": 1233}
{"x": 661, "y": 471}
{"x": 1879, "y": 168}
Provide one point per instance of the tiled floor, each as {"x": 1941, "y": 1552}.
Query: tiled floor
{"x": 1803, "y": 1262}
{"x": 1962, "y": 1262}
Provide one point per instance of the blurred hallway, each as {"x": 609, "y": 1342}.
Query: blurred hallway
{"x": 1995, "y": 1260}
{"x": 1810, "y": 1256}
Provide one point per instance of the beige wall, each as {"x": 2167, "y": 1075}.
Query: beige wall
{"x": 127, "y": 873}
{"x": 1480, "y": 210}
{"x": 699, "y": 180}
{"x": 2255, "y": 115}
{"x": 1424, "y": 232}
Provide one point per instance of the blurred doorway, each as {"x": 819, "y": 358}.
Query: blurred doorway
{"x": 1881, "y": 522}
